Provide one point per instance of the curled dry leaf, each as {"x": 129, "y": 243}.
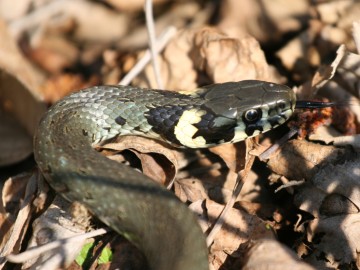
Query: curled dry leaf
{"x": 209, "y": 51}
{"x": 270, "y": 254}
{"x": 13, "y": 232}
{"x": 227, "y": 59}
{"x": 12, "y": 194}
{"x": 158, "y": 162}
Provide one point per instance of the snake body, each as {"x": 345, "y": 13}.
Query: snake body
{"x": 130, "y": 203}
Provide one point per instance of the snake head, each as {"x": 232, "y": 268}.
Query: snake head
{"x": 249, "y": 107}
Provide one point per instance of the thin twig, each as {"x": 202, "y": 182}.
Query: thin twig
{"x": 152, "y": 42}
{"x": 37, "y": 251}
{"x": 164, "y": 38}
{"x": 289, "y": 184}
{"x": 268, "y": 152}
{"x": 240, "y": 180}
{"x": 356, "y": 35}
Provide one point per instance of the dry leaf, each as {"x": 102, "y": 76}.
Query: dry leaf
{"x": 232, "y": 154}
{"x": 14, "y": 231}
{"x": 19, "y": 82}
{"x": 208, "y": 51}
{"x": 239, "y": 227}
{"x": 158, "y": 162}
{"x": 336, "y": 238}
{"x": 55, "y": 223}
{"x": 270, "y": 254}
{"x": 227, "y": 59}
{"x": 301, "y": 159}
{"x": 190, "y": 190}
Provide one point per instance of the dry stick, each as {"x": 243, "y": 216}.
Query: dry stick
{"x": 152, "y": 42}
{"x": 240, "y": 180}
{"x": 37, "y": 251}
{"x": 271, "y": 150}
{"x": 356, "y": 35}
{"x": 35, "y": 18}
{"x": 164, "y": 38}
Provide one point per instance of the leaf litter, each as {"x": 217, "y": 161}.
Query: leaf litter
{"x": 313, "y": 47}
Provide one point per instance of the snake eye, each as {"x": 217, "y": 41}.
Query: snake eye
{"x": 281, "y": 104}
{"x": 252, "y": 115}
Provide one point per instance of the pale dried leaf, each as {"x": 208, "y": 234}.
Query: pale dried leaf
{"x": 339, "y": 238}
{"x": 292, "y": 54}
{"x": 12, "y": 240}
{"x": 55, "y": 223}
{"x": 331, "y": 12}
{"x": 228, "y": 59}
{"x": 270, "y": 254}
{"x": 341, "y": 179}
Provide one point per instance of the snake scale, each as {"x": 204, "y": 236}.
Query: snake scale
{"x": 127, "y": 201}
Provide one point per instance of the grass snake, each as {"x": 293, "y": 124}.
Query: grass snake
{"x": 127, "y": 201}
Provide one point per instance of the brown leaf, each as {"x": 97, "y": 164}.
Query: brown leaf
{"x": 158, "y": 162}
{"x": 207, "y": 50}
{"x": 19, "y": 83}
{"x": 228, "y": 59}
{"x": 300, "y": 159}
{"x": 239, "y": 227}
{"x": 232, "y": 154}
{"x": 190, "y": 190}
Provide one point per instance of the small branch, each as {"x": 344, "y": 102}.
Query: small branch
{"x": 240, "y": 180}
{"x": 163, "y": 40}
{"x": 271, "y": 150}
{"x": 37, "y": 251}
{"x": 287, "y": 184}
{"x": 356, "y": 35}
{"x": 152, "y": 42}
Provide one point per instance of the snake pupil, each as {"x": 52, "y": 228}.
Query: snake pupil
{"x": 251, "y": 115}
{"x": 281, "y": 104}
